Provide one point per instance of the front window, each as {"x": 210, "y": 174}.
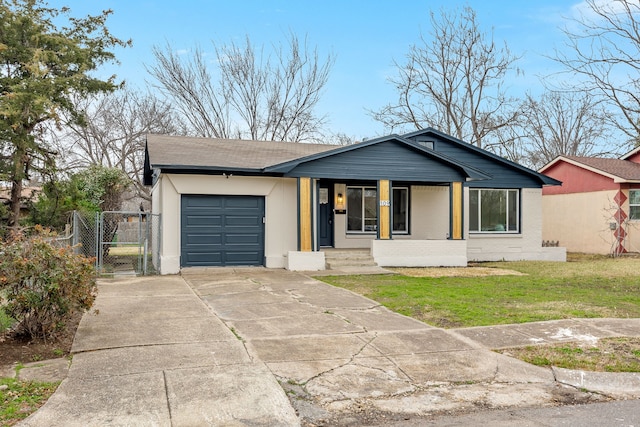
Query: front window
{"x": 493, "y": 211}
{"x": 634, "y": 205}
{"x": 362, "y": 210}
{"x": 401, "y": 210}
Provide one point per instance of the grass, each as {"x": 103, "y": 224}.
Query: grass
{"x": 620, "y": 354}
{"x": 18, "y": 399}
{"x": 585, "y": 286}
{"x": 5, "y": 321}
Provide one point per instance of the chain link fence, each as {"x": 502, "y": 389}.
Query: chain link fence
{"x": 123, "y": 243}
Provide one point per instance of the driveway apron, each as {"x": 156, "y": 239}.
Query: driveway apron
{"x": 336, "y": 352}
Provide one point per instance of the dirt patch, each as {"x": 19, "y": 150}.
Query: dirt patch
{"x": 17, "y": 350}
{"x": 455, "y": 272}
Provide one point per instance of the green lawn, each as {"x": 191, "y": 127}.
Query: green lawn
{"x": 5, "y": 321}
{"x": 586, "y": 286}
{"x": 18, "y": 399}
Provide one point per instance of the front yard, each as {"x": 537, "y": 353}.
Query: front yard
{"x": 585, "y": 286}
{"x": 518, "y": 292}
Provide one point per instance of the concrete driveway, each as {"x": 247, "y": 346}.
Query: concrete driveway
{"x": 259, "y": 347}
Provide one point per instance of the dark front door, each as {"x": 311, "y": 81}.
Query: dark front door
{"x": 325, "y": 216}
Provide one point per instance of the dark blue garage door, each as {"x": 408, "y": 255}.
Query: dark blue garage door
{"x": 222, "y": 230}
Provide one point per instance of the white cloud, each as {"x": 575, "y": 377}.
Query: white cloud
{"x": 584, "y": 9}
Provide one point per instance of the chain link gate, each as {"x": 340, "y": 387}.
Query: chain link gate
{"x": 123, "y": 243}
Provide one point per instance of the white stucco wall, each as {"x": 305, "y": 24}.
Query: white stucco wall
{"x": 428, "y": 216}
{"x": 527, "y": 245}
{"x": 580, "y": 221}
{"x": 429, "y": 212}
{"x": 420, "y": 253}
{"x": 280, "y": 211}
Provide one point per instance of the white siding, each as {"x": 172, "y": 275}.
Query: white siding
{"x": 280, "y": 211}
{"x": 526, "y": 245}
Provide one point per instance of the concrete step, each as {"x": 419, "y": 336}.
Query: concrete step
{"x": 338, "y": 258}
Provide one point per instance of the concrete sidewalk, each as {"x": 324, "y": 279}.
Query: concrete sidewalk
{"x": 223, "y": 346}
{"x": 155, "y": 355}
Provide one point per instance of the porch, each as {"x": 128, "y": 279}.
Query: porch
{"x": 383, "y": 253}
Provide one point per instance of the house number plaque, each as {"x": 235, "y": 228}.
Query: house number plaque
{"x": 385, "y": 203}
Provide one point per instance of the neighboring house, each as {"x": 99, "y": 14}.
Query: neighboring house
{"x": 597, "y": 208}
{"x": 29, "y": 193}
{"x": 421, "y": 199}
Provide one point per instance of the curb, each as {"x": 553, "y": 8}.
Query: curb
{"x": 620, "y": 384}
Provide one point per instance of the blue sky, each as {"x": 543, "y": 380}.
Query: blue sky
{"x": 365, "y": 36}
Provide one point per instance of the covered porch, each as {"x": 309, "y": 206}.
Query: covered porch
{"x": 397, "y": 223}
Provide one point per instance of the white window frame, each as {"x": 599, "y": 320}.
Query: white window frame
{"x": 634, "y": 205}
{"x": 479, "y": 227}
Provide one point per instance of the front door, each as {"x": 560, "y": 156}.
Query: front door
{"x": 325, "y": 216}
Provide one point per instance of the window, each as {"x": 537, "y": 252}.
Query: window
{"x": 634, "y": 205}
{"x": 401, "y": 210}
{"x": 493, "y": 211}
{"x": 362, "y": 210}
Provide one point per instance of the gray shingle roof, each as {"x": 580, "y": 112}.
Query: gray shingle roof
{"x": 178, "y": 151}
{"x": 624, "y": 169}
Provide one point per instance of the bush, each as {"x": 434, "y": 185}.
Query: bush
{"x": 44, "y": 285}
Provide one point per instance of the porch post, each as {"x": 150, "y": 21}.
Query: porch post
{"x": 384, "y": 209}
{"x": 304, "y": 215}
{"x": 456, "y": 210}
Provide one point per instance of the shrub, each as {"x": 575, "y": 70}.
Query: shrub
{"x": 44, "y": 285}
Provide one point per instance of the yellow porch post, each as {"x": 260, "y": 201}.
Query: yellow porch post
{"x": 304, "y": 215}
{"x": 456, "y": 210}
{"x": 384, "y": 217}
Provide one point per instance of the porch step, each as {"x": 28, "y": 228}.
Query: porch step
{"x": 339, "y": 258}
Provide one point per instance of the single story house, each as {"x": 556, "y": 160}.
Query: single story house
{"x": 420, "y": 199}
{"x": 597, "y": 208}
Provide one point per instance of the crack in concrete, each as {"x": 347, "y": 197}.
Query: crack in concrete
{"x": 166, "y": 393}
{"x": 350, "y": 361}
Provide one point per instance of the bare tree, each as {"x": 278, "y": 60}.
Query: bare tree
{"x": 249, "y": 94}
{"x": 452, "y": 81}
{"x": 562, "y": 123}
{"x": 604, "y": 49}
{"x": 112, "y": 133}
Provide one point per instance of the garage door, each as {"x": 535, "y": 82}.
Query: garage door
{"x": 222, "y": 230}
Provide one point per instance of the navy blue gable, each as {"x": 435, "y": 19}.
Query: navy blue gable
{"x": 390, "y": 159}
{"x": 503, "y": 173}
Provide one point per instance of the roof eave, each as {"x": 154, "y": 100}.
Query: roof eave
{"x": 620, "y": 180}
{"x": 220, "y": 169}
{"x": 544, "y": 180}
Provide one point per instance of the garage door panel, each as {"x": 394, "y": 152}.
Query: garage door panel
{"x": 239, "y": 258}
{"x": 243, "y": 221}
{"x": 205, "y": 239}
{"x": 243, "y": 202}
{"x": 241, "y": 239}
{"x": 205, "y": 259}
{"x": 204, "y": 220}
{"x": 203, "y": 202}
{"x": 222, "y": 230}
